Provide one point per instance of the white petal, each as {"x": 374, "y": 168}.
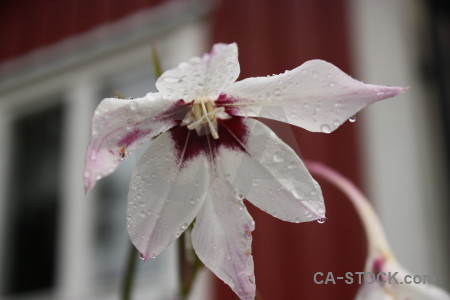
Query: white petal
{"x": 271, "y": 176}
{"x": 316, "y": 96}
{"x": 222, "y": 238}
{"x": 392, "y": 290}
{"x": 202, "y": 77}
{"x": 412, "y": 291}
{"x": 120, "y": 126}
{"x": 165, "y": 195}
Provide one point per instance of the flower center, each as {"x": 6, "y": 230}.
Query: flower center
{"x": 203, "y": 117}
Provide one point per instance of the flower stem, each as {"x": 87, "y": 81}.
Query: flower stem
{"x": 128, "y": 279}
{"x": 376, "y": 238}
{"x": 189, "y": 264}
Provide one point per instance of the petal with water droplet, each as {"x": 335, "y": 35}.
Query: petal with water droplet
{"x": 314, "y": 94}
{"x": 119, "y": 126}
{"x": 271, "y": 176}
{"x": 167, "y": 195}
{"x": 222, "y": 237}
{"x": 202, "y": 77}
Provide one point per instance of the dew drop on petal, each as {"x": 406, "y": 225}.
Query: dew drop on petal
{"x": 336, "y": 123}
{"x": 142, "y": 257}
{"x": 169, "y": 79}
{"x": 134, "y": 105}
{"x": 325, "y": 128}
{"x": 321, "y": 220}
{"x": 352, "y": 119}
{"x": 278, "y": 157}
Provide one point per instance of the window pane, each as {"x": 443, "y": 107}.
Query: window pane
{"x": 33, "y": 201}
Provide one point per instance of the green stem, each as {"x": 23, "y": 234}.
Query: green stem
{"x": 156, "y": 61}
{"x": 183, "y": 267}
{"x": 189, "y": 265}
{"x": 128, "y": 279}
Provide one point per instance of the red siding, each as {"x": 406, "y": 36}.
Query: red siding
{"x": 274, "y": 36}
{"x": 28, "y": 25}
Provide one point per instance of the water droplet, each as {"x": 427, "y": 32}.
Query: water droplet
{"x": 169, "y": 79}
{"x": 142, "y": 257}
{"x": 278, "y": 157}
{"x": 142, "y": 214}
{"x": 238, "y": 195}
{"x": 134, "y": 105}
{"x": 184, "y": 226}
{"x": 321, "y": 220}
{"x": 325, "y": 128}
{"x": 352, "y": 119}
{"x": 255, "y": 182}
{"x": 241, "y": 206}
{"x": 337, "y": 104}
{"x": 320, "y": 210}
{"x": 336, "y": 123}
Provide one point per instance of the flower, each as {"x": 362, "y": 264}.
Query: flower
{"x": 386, "y": 279}
{"x": 207, "y": 156}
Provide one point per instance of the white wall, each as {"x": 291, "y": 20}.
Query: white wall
{"x": 402, "y": 152}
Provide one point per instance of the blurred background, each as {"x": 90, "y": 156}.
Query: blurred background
{"x": 58, "y": 59}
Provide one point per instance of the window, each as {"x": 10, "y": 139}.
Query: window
{"x": 56, "y": 242}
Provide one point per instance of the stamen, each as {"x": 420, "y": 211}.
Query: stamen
{"x": 211, "y": 127}
{"x": 199, "y": 121}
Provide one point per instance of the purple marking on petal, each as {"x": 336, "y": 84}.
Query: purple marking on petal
{"x": 189, "y": 144}
{"x": 230, "y": 130}
{"x": 176, "y": 112}
{"x": 378, "y": 264}
{"x": 226, "y": 101}
{"x": 132, "y": 136}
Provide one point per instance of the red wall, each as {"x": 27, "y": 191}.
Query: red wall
{"x": 28, "y": 25}
{"x": 274, "y": 36}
